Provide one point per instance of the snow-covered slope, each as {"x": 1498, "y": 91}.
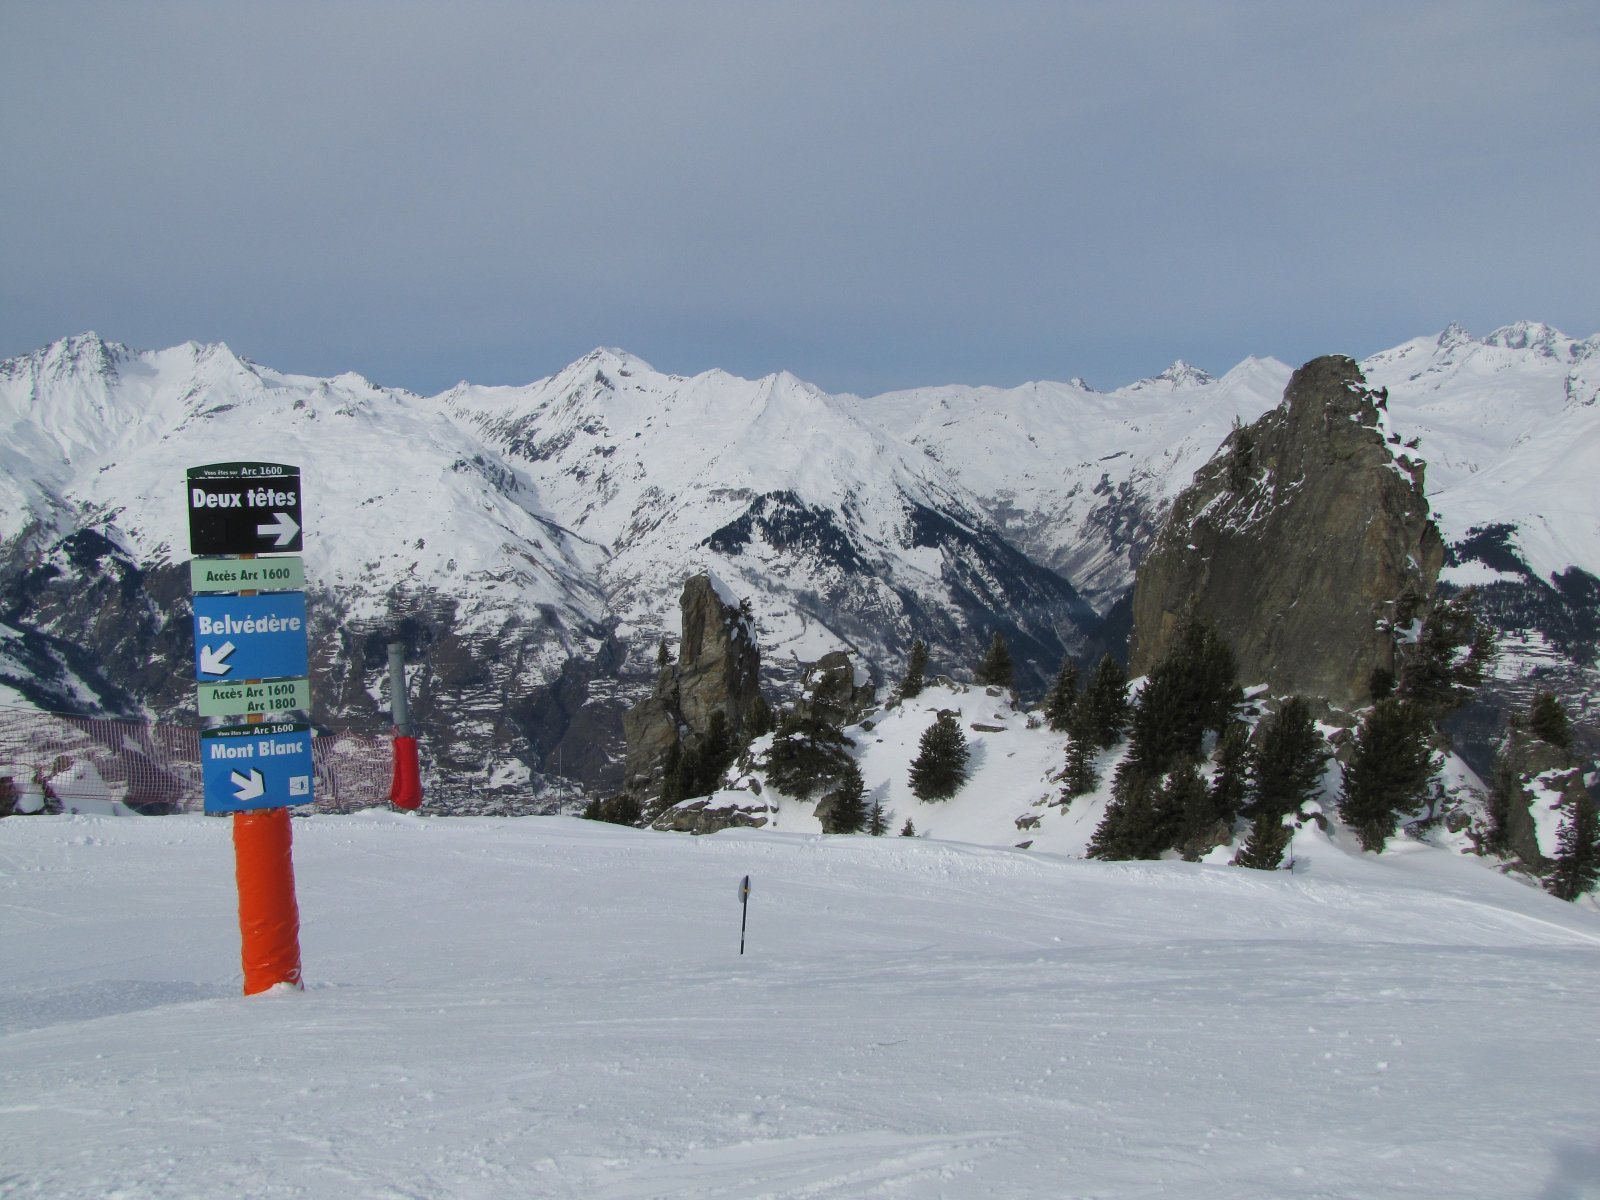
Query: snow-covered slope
{"x": 94, "y": 434}
{"x": 835, "y": 529}
{"x": 547, "y": 1007}
{"x": 1080, "y": 478}
{"x": 1509, "y": 426}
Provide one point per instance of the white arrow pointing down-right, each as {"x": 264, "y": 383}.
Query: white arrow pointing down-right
{"x": 248, "y": 787}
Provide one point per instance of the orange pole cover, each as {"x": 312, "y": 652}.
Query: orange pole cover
{"x": 405, "y": 787}
{"x": 269, "y": 919}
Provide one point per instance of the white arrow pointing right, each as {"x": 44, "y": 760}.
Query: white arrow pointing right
{"x": 248, "y": 787}
{"x": 283, "y": 525}
{"x": 214, "y": 659}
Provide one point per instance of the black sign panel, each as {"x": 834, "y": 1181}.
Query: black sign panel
{"x": 244, "y": 508}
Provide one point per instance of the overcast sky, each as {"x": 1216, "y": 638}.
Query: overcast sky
{"x": 870, "y": 195}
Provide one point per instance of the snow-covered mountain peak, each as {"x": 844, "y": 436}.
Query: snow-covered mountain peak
{"x": 1542, "y": 339}
{"x": 1179, "y": 375}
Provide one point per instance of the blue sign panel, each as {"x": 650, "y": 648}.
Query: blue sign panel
{"x": 250, "y": 637}
{"x": 256, "y": 766}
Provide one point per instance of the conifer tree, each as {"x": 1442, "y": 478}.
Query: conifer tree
{"x": 1187, "y": 803}
{"x": 1388, "y": 774}
{"x": 916, "y": 670}
{"x": 940, "y": 767}
{"x": 877, "y": 820}
{"x": 616, "y": 810}
{"x": 1083, "y": 749}
{"x": 908, "y": 829}
{"x": 671, "y": 783}
{"x": 1107, "y": 698}
{"x": 1286, "y": 766}
{"x": 1547, "y": 721}
{"x": 663, "y": 656}
{"x": 848, "y": 812}
{"x": 1134, "y": 824}
{"x": 1192, "y": 689}
{"x": 1577, "y": 859}
{"x": 1229, "y": 783}
{"x": 996, "y": 669}
{"x": 1263, "y": 849}
{"x": 716, "y": 755}
{"x": 808, "y": 755}
{"x": 760, "y": 719}
{"x": 1063, "y": 697}
{"x": 1449, "y": 659}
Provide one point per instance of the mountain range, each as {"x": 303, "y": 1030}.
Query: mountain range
{"x": 528, "y": 544}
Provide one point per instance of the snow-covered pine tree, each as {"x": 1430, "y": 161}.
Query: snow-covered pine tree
{"x": 940, "y": 767}
{"x": 908, "y": 829}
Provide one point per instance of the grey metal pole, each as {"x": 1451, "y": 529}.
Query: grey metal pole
{"x": 397, "y": 689}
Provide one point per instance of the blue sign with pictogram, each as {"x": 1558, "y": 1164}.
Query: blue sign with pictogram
{"x": 256, "y": 766}
{"x": 249, "y": 637}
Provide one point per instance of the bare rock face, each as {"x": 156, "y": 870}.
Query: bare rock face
{"x": 718, "y": 670}
{"x": 1303, "y": 542}
{"x": 1529, "y": 773}
{"x": 835, "y": 691}
{"x": 709, "y": 814}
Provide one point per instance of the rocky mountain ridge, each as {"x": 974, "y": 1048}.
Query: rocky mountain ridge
{"x": 528, "y": 544}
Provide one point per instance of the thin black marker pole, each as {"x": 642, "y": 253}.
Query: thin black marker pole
{"x": 744, "y": 900}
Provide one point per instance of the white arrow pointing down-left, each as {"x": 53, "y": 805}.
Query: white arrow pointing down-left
{"x": 248, "y": 787}
{"x": 214, "y": 659}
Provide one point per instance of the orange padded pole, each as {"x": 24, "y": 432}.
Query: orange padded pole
{"x": 269, "y": 919}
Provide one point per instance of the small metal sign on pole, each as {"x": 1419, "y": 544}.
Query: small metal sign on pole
{"x": 744, "y": 901}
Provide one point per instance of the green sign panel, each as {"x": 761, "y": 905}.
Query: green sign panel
{"x": 243, "y": 699}
{"x": 285, "y": 574}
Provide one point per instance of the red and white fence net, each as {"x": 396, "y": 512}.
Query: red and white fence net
{"x": 93, "y": 764}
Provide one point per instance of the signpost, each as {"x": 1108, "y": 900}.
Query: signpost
{"x": 249, "y": 637}
{"x": 256, "y": 766}
{"x": 244, "y": 508}
{"x": 250, "y": 664}
{"x": 267, "y": 698}
{"x": 286, "y": 574}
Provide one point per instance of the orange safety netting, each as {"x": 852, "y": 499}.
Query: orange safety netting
{"x": 93, "y": 763}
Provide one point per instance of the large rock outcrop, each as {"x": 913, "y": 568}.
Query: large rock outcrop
{"x": 1304, "y": 542}
{"x": 718, "y": 670}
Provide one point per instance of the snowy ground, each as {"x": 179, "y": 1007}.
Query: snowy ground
{"x": 549, "y": 1007}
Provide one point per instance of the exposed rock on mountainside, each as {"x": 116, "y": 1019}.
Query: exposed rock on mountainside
{"x": 835, "y": 690}
{"x": 718, "y": 671}
{"x": 1300, "y": 543}
{"x": 1533, "y": 784}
